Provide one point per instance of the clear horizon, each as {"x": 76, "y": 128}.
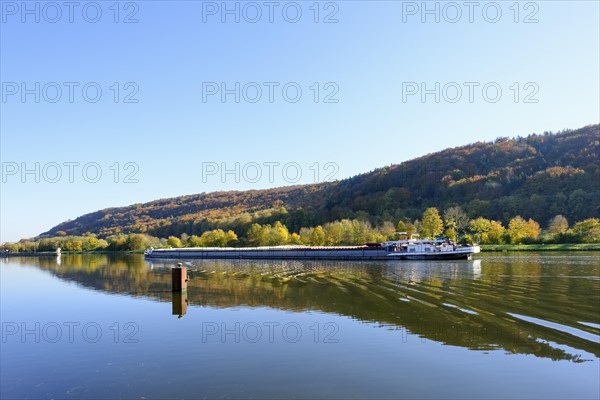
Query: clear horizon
{"x": 160, "y": 97}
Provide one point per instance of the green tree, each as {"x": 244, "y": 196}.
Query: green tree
{"x": 306, "y": 235}
{"x": 89, "y": 243}
{"x": 431, "y": 223}
{"x": 406, "y": 226}
{"x": 174, "y": 241}
{"x": 135, "y": 241}
{"x": 588, "y": 231}
{"x": 48, "y": 244}
{"x": 334, "y": 233}
{"x": 450, "y": 233}
{"x": 117, "y": 242}
{"x": 184, "y": 239}
{"x": 480, "y": 226}
{"x": 194, "y": 241}
{"x": 278, "y": 234}
{"x": 29, "y": 246}
{"x": 318, "y": 236}
{"x": 214, "y": 238}
{"x": 11, "y": 247}
{"x": 455, "y": 217}
{"x": 254, "y": 234}
{"x": 466, "y": 239}
{"x": 387, "y": 230}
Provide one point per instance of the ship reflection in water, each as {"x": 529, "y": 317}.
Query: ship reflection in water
{"x": 507, "y": 305}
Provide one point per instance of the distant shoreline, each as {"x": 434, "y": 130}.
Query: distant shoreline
{"x": 53, "y": 253}
{"x": 540, "y": 247}
{"x": 486, "y": 248}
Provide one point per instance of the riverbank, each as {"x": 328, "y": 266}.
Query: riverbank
{"x": 54, "y": 254}
{"x": 541, "y": 247}
{"x": 485, "y": 248}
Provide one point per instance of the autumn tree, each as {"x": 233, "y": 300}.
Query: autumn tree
{"x": 520, "y": 230}
{"x": 230, "y": 236}
{"x": 73, "y": 245}
{"x": 558, "y": 225}
{"x": 495, "y": 234}
{"x": 431, "y": 223}
{"x": 295, "y": 239}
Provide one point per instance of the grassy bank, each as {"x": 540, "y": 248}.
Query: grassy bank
{"x": 541, "y": 247}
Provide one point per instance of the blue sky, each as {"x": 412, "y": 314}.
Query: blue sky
{"x": 169, "y": 129}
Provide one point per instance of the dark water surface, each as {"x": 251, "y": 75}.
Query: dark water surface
{"x": 511, "y": 325}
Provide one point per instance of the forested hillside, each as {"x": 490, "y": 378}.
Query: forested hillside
{"x": 538, "y": 177}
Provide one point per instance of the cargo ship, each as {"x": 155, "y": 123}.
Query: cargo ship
{"x": 408, "y": 249}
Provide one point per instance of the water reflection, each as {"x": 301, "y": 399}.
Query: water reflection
{"x": 529, "y": 304}
{"x": 180, "y": 303}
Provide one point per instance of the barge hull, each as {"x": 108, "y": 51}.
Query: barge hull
{"x": 306, "y": 254}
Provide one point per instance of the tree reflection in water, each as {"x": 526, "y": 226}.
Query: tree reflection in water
{"x": 472, "y": 304}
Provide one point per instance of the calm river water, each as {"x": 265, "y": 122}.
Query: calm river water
{"x": 507, "y": 325}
